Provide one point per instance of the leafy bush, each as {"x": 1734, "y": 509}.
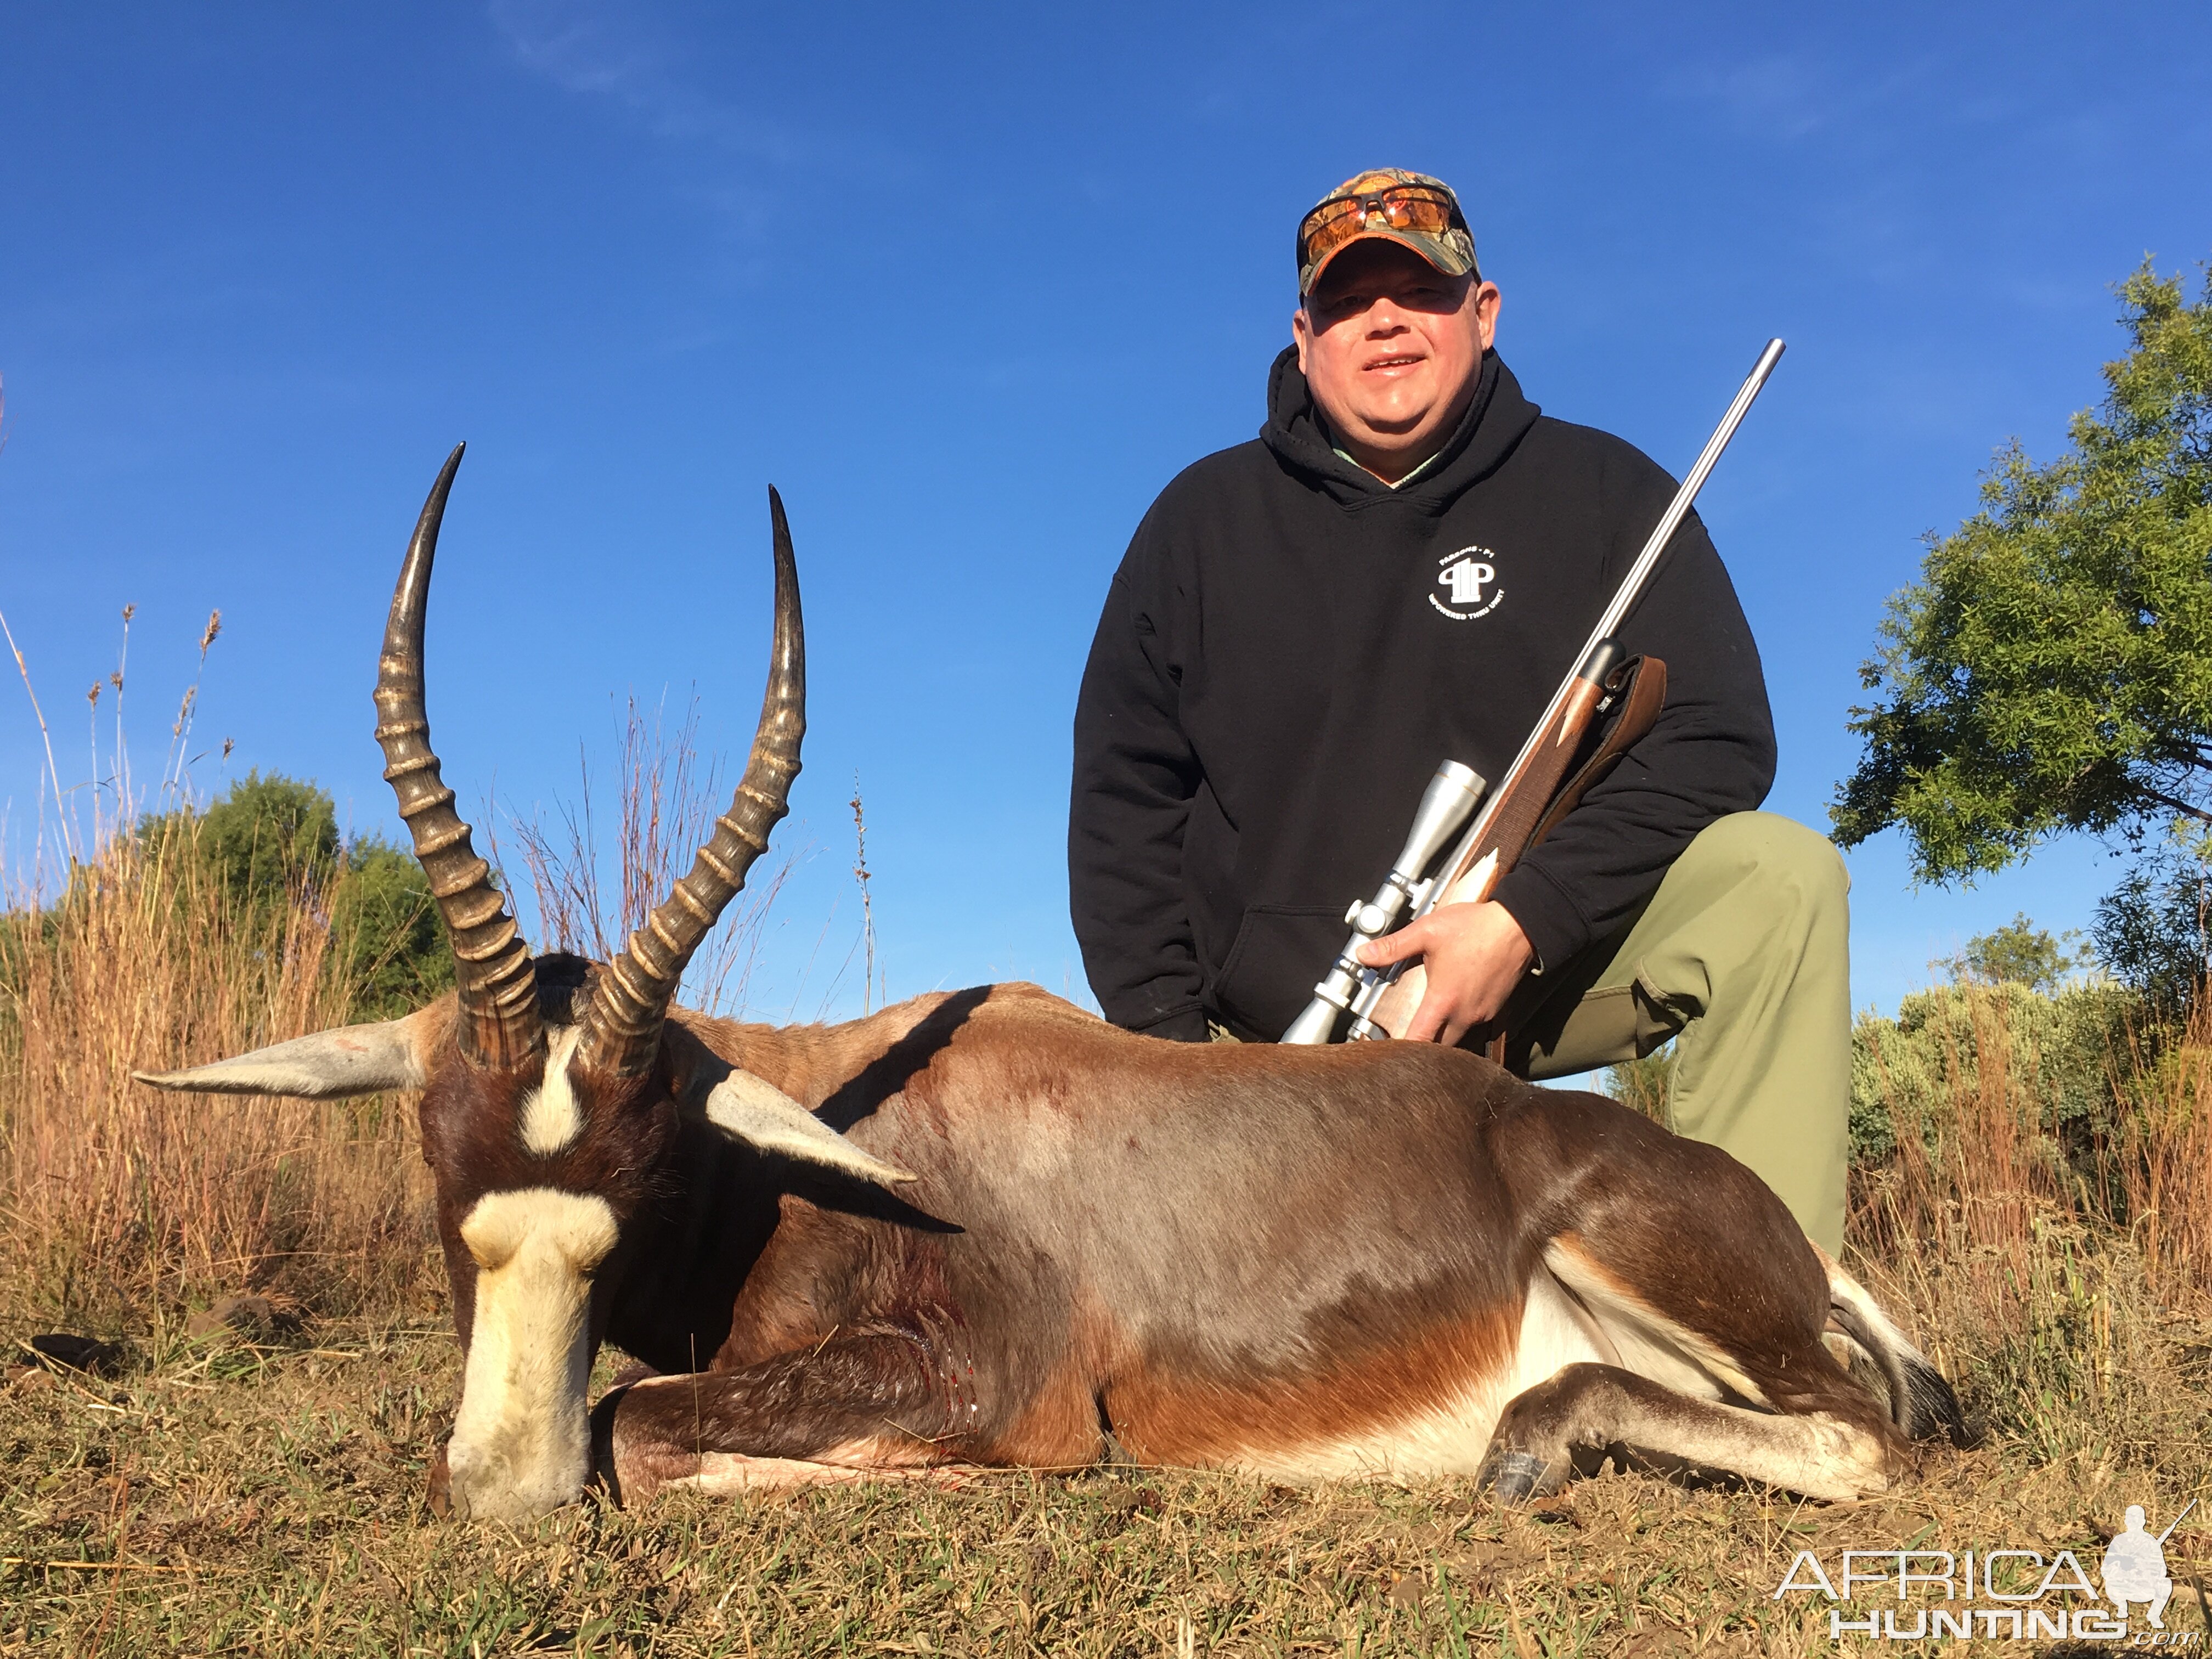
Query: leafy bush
{"x": 267, "y": 837}
{"x": 2051, "y": 1057}
{"x": 391, "y": 944}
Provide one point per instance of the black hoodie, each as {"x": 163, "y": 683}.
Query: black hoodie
{"x": 1291, "y": 646}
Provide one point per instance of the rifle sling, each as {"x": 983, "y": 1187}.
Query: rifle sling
{"x": 1639, "y": 690}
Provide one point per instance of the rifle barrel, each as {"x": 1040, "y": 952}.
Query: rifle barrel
{"x": 1679, "y": 508}
{"x": 2177, "y": 1520}
{"x": 1630, "y": 590}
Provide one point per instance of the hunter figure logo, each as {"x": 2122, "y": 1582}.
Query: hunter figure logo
{"x": 1472, "y": 581}
{"x": 2000, "y": 1594}
{"x": 2135, "y": 1569}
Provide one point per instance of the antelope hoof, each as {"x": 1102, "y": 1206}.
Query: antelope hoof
{"x": 1515, "y": 1477}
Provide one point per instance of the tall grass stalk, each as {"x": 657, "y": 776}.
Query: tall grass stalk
{"x": 122, "y": 1202}
{"x": 667, "y": 798}
{"x": 2166, "y": 1162}
{"x": 871, "y": 983}
{"x": 2045, "y": 1268}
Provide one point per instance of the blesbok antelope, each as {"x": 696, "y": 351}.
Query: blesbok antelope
{"x": 986, "y": 1228}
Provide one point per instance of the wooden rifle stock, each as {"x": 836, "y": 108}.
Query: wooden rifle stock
{"x": 1570, "y": 755}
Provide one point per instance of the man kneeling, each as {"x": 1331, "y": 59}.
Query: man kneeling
{"x": 1398, "y": 570}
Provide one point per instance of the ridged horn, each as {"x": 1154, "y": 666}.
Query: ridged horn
{"x": 623, "y": 1035}
{"x": 499, "y": 1025}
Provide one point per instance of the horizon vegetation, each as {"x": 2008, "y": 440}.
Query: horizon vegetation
{"x": 2031, "y": 1189}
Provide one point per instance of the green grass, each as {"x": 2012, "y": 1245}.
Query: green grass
{"x": 270, "y": 1501}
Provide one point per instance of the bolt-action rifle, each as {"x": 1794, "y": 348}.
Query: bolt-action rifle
{"x": 1569, "y": 751}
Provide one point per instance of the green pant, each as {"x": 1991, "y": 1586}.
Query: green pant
{"x": 1743, "y": 956}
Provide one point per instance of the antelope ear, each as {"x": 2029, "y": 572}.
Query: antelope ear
{"x": 353, "y": 1059}
{"x": 771, "y": 1120}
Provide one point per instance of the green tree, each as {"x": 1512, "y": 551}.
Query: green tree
{"x": 385, "y": 925}
{"x": 2052, "y": 670}
{"x": 271, "y": 839}
{"x": 2151, "y": 929}
{"x": 2018, "y": 953}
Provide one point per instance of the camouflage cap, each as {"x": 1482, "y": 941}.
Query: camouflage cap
{"x": 1379, "y": 204}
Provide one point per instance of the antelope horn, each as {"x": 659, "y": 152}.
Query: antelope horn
{"x": 499, "y": 1025}
{"x": 623, "y": 1032}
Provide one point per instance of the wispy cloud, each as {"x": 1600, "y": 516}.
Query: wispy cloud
{"x": 574, "y": 45}
{"x": 1788, "y": 96}
{"x": 1776, "y": 97}
{"x": 728, "y": 154}
{"x": 590, "y": 48}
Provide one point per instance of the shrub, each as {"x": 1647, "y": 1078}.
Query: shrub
{"x": 190, "y": 937}
{"x": 2051, "y": 1058}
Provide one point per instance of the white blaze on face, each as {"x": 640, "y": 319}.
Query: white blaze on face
{"x": 521, "y": 1441}
{"x": 551, "y": 1119}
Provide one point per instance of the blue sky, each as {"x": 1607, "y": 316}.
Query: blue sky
{"x": 970, "y": 286}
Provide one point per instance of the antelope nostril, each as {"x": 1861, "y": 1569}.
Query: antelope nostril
{"x": 476, "y": 1480}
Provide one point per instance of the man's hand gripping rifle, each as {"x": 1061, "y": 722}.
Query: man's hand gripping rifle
{"x": 1542, "y": 786}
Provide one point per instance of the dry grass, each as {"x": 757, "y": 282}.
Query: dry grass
{"x": 255, "y": 1501}
{"x": 2050, "y": 1278}
{"x": 240, "y": 1499}
{"x": 122, "y": 1203}
{"x": 2165, "y": 1159}
{"x": 666, "y": 800}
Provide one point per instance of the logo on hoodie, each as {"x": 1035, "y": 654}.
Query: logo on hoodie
{"x": 1471, "y": 581}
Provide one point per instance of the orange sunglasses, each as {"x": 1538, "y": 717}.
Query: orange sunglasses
{"x": 1341, "y": 219}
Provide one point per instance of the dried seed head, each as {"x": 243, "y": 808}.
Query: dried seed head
{"x": 227, "y": 743}
{"x": 129, "y": 612}
{"x": 214, "y": 628}
{"x": 92, "y": 696}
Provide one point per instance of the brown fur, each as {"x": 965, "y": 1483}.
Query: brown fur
{"x": 1120, "y": 1247}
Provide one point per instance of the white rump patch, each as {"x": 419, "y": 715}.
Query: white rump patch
{"x": 521, "y": 1441}
{"x": 1648, "y": 1343}
{"x": 551, "y": 1120}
